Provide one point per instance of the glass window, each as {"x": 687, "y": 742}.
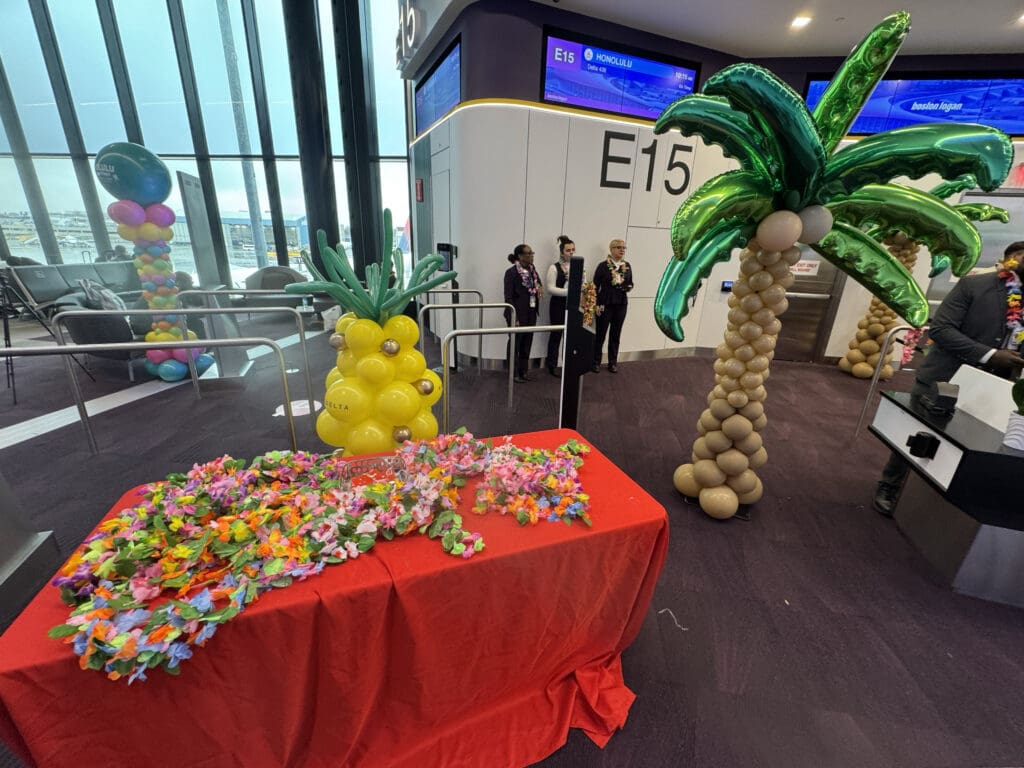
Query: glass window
{"x": 80, "y": 40}
{"x": 331, "y": 76}
{"x": 270, "y": 20}
{"x": 67, "y": 211}
{"x": 221, "y": 61}
{"x": 394, "y": 193}
{"x": 237, "y": 203}
{"x": 30, "y": 84}
{"x": 5, "y": 145}
{"x": 293, "y": 207}
{"x": 344, "y": 218}
{"x": 19, "y": 229}
{"x": 153, "y": 69}
{"x": 388, "y": 87}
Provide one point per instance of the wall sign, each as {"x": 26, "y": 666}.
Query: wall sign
{"x": 622, "y": 178}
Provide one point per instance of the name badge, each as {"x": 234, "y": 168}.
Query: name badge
{"x": 533, "y": 302}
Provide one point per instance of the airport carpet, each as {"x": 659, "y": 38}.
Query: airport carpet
{"x": 810, "y": 636}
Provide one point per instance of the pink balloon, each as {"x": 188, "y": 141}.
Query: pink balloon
{"x": 158, "y": 279}
{"x": 159, "y": 214}
{"x": 158, "y": 355}
{"x": 181, "y": 355}
{"x": 127, "y": 212}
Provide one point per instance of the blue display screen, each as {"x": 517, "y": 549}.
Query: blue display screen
{"x": 997, "y": 102}
{"x": 440, "y": 91}
{"x": 584, "y": 75}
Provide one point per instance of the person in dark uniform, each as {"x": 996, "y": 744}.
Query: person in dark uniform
{"x": 523, "y": 291}
{"x": 978, "y": 323}
{"x": 556, "y": 283}
{"x": 613, "y": 279}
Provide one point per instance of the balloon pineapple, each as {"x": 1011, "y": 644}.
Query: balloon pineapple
{"x": 380, "y": 393}
{"x": 790, "y": 188}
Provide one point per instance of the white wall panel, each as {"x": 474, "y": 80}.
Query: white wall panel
{"x": 715, "y": 309}
{"x": 704, "y": 162}
{"x": 440, "y": 137}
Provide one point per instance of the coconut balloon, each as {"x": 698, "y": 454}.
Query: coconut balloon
{"x": 793, "y": 187}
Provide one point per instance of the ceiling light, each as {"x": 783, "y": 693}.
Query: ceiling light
{"x": 800, "y": 21}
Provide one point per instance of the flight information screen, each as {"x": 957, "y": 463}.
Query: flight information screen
{"x": 998, "y": 102}
{"x": 440, "y": 90}
{"x": 583, "y": 75}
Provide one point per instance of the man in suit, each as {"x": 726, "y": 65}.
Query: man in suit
{"x": 972, "y": 325}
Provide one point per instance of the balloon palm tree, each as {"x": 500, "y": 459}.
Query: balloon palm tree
{"x": 789, "y": 190}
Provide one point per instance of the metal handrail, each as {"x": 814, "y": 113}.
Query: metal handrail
{"x": 472, "y": 305}
{"x": 456, "y": 292}
{"x": 67, "y": 350}
{"x": 451, "y": 335}
{"x": 878, "y": 370}
{"x": 205, "y": 311}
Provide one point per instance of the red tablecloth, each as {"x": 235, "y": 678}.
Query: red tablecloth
{"x": 403, "y": 657}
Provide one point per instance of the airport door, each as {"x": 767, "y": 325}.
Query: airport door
{"x": 813, "y": 302}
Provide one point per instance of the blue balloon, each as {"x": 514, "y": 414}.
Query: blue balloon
{"x": 131, "y": 172}
{"x": 136, "y": 250}
{"x": 203, "y": 362}
{"x": 172, "y": 370}
{"x": 151, "y": 367}
{"x": 154, "y": 250}
{"x": 148, "y": 286}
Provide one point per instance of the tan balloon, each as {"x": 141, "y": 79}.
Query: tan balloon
{"x": 709, "y": 421}
{"x": 732, "y": 462}
{"x": 778, "y": 269}
{"x": 751, "y": 381}
{"x": 750, "y": 267}
{"x": 862, "y": 324}
{"x": 760, "y": 280}
{"x": 764, "y": 344}
{"x": 791, "y": 256}
{"x": 719, "y": 366}
{"x": 751, "y": 497}
{"x": 758, "y": 364}
{"x": 751, "y": 303}
{"x": 855, "y": 356}
{"x": 729, "y": 384}
{"x": 787, "y": 280}
{"x": 737, "y": 427}
{"x": 873, "y": 359}
{"x": 774, "y": 327}
{"x": 734, "y": 340}
{"x": 862, "y": 371}
{"x": 733, "y": 367}
{"x": 750, "y": 330}
{"x": 758, "y": 394}
{"x": 741, "y": 289}
{"x": 738, "y": 398}
{"x": 721, "y": 409}
{"x": 742, "y": 483}
{"x": 860, "y": 337}
{"x": 685, "y": 482}
{"x": 717, "y": 442}
{"x": 779, "y": 230}
{"x": 752, "y": 410}
{"x": 708, "y": 474}
{"x": 737, "y": 316}
{"x": 876, "y": 329}
{"x": 869, "y": 346}
{"x": 772, "y": 295}
{"x": 701, "y": 450}
{"x": 763, "y": 316}
{"x": 718, "y": 393}
{"x": 733, "y": 301}
{"x": 724, "y": 351}
{"x": 758, "y": 458}
{"x": 760, "y": 422}
{"x": 769, "y": 257}
{"x": 886, "y": 372}
{"x": 745, "y": 353}
{"x": 720, "y": 502}
{"x": 845, "y": 365}
{"x": 750, "y": 444}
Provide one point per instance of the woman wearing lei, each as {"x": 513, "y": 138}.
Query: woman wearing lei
{"x": 523, "y": 291}
{"x": 613, "y": 279}
{"x": 556, "y": 282}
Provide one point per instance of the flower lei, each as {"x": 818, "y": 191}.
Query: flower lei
{"x": 617, "y": 269}
{"x": 159, "y": 578}
{"x": 528, "y": 276}
{"x": 588, "y": 303}
{"x": 1013, "y": 304}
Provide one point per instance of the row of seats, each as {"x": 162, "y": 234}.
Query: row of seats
{"x": 42, "y": 285}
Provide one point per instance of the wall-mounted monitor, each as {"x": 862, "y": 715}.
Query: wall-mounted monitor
{"x": 440, "y": 89}
{"x": 583, "y": 72}
{"x": 996, "y": 101}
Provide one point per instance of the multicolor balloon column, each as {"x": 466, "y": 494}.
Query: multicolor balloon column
{"x": 141, "y": 182}
{"x": 792, "y": 186}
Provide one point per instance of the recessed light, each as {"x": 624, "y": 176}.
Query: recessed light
{"x": 800, "y": 21}
{"x": 1021, "y": 19}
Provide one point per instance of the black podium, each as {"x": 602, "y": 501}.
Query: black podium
{"x": 962, "y": 505}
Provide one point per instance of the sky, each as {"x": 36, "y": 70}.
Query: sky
{"x": 149, "y": 51}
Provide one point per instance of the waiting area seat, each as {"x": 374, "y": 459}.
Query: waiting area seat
{"x": 272, "y": 278}
{"x": 40, "y": 286}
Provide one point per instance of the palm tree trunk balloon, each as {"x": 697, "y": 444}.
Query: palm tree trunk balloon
{"x": 866, "y": 344}
{"x": 788, "y": 190}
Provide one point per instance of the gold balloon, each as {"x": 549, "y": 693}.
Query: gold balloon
{"x": 737, "y": 427}
{"x": 751, "y": 443}
{"x": 754, "y": 496}
{"x": 337, "y": 341}
{"x": 685, "y": 482}
{"x": 743, "y": 483}
{"x": 390, "y": 347}
{"x": 732, "y": 462}
{"x": 401, "y": 433}
{"x": 719, "y": 502}
{"x": 708, "y": 474}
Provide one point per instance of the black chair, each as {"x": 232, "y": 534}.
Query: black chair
{"x": 40, "y": 287}
{"x": 72, "y": 273}
{"x": 271, "y": 278}
{"x": 121, "y": 277}
{"x": 104, "y": 329}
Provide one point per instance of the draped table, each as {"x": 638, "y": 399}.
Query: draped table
{"x": 404, "y": 656}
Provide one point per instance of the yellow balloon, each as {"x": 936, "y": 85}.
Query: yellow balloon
{"x": 128, "y": 232}
{"x": 346, "y": 362}
{"x": 152, "y": 336}
{"x": 423, "y": 425}
{"x": 375, "y": 369}
{"x": 192, "y": 335}
{"x": 348, "y": 401}
{"x": 149, "y": 231}
{"x": 166, "y": 234}
{"x": 333, "y": 376}
{"x": 369, "y": 436}
{"x": 409, "y": 364}
{"x": 403, "y": 329}
{"x": 397, "y": 403}
{"x": 363, "y": 337}
{"x": 434, "y": 379}
{"x": 344, "y": 322}
{"x": 330, "y": 430}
